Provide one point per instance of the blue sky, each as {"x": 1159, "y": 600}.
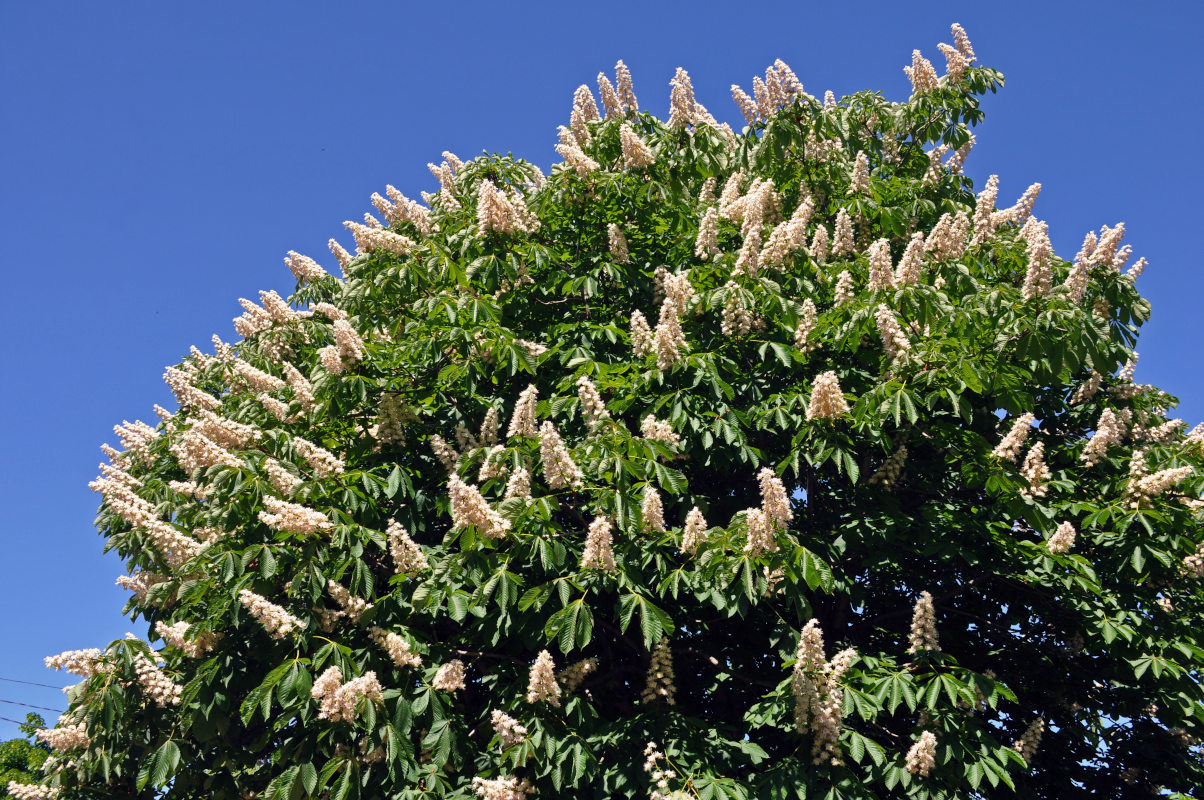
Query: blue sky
{"x": 159, "y": 160}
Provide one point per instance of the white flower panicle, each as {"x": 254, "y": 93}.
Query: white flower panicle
{"x": 643, "y": 340}
{"x": 559, "y": 469}
{"x": 1037, "y": 278}
{"x": 519, "y": 485}
{"x": 775, "y": 503}
{"x": 136, "y": 437}
{"x": 32, "y": 791}
{"x": 618, "y": 244}
{"x": 1108, "y": 431}
{"x": 348, "y": 342}
{"x": 912, "y": 262}
{"x": 963, "y": 42}
{"x": 408, "y": 558}
{"x": 652, "y": 511}
{"x": 827, "y": 400}
{"x": 522, "y": 423}
{"x": 186, "y": 393}
{"x": 139, "y": 583}
{"x": 303, "y": 390}
{"x": 894, "y": 341}
{"x": 179, "y": 635}
{"x": 842, "y": 243}
{"x": 489, "y": 427}
{"x": 706, "y": 245}
{"x": 636, "y": 154}
{"x": 341, "y": 702}
{"x": 669, "y": 341}
{"x": 659, "y": 431}
{"x": 255, "y": 379}
{"x": 1062, "y": 539}
{"x": 274, "y": 619}
{"x": 921, "y": 74}
{"x": 659, "y": 777}
{"x": 747, "y": 107}
{"x": 443, "y": 451}
{"x": 323, "y": 462}
{"x": 955, "y": 62}
{"x": 921, "y": 758}
{"x": 541, "y": 684}
{"x": 625, "y": 88}
{"x": 882, "y": 275}
{"x": 984, "y": 209}
{"x": 501, "y": 214}
{"x": 694, "y": 533}
{"x": 504, "y": 788}
{"x": 658, "y": 684}
{"x": 509, "y": 731}
{"x": 1144, "y": 488}
{"x": 860, "y": 182}
{"x": 277, "y": 408}
{"x": 1030, "y": 740}
{"x": 304, "y": 268}
{"x": 353, "y": 607}
{"x": 891, "y": 470}
{"x": 66, "y": 736}
{"x": 1035, "y": 472}
{"x": 585, "y": 110}
{"x": 450, "y": 677}
{"x": 1020, "y": 212}
{"x": 378, "y": 240}
{"x": 282, "y": 515}
{"x": 683, "y": 108}
{"x": 736, "y": 319}
{"x": 759, "y": 538}
{"x": 947, "y": 239}
{"x": 819, "y": 245}
{"x": 806, "y": 326}
{"x": 399, "y": 650}
{"x": 958, "y": 160}
{"x": 84, "y": 663}
{"x": 162, "y": 690}
{"x": 923, "y": 626}
{"x": 598, "y": 552}
{"x": 612, "y": 106}
{"x": 572, "y": 676}
{"x": 469, "y": 507}
{"x": 341, "y": 255}
{"x": 329, "y": 356}
{"x": 819, "y": 700}
{"x": 844, "y": 290}
{"x": 494, "y": 464}
{"x": 1009, "y": 447}
{"x": 576, "y": 158}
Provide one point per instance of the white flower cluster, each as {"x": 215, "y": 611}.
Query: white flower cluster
{"x": 509, "y": 731}
{"x": 659, "y": 431}
{"x": 155, "y": 683}
{"x": 636, "y": 154}
{"x": 1108, "y": 431}
{"x": 280, "y": 477}
{"x": 1030, "y": 740}
{"x": 196, "y": 451}
{"x": 1009, "y": 447}
{"x": 84, "y": 663}
{"x": 1035, "y": 472}
{"x": 369, "y": 239}
{"x": 806, "y": 326}
{"x": 70, "y": 736}
{"x": 947, "y": 240}
{"x": 506, "y": 788}
{"x": 559, "y": 469}
{"x": 571, "y": 677}
{"x": 522, "y": 423}
{"x": 282, "y": 515}
{"x": 894, "y": 340}
{"x": 139, "y": 583}
{"x": 304, "y": 268}
{"x": 399, "y": 650}
{"x": 179, "y": 635}
{"x": 652, "y": 511}
{"x": 469, "y": 507}
{"x": 598, "y": 552}
{"x": 186, "y": 393}
{"x": 660, "y": 777}
{"x": 706, "y": 245}
{"x": 254, "y": 378}
{"x": 501, "y": 214}
{"x": 136, "y": 437}
{"x": 842, "y": 240}
{"x": 450, "y": 677}
{"x": 891, "y": 470}
{"x": 658, "y": 684}
{"x": 353, "y": 607}
{"x": 593, "y": 408}
{"x": 1062, "y": 539}
{"x": 694, "y": 532}
{"x": 323, "y": 462}
{"x": 921, "y": 758}
{"x": 274, "y": 619}
{"x": 819, "y": 700}
{"x": 643, "y": 340}
{"x": 443, "y": 451}
{"x": 493, "y": 465}
{"x": 774, "y": 500}
{"x": 882, "y": 275}
{"x": 788, "y": 237}
{"x": 1037, "y": 278}
{"x": 827, "y": 399}
{"x": 32, "y": 791}
{"x": 519, "y": 485}
{"x": 923, "y": 626}
{"x": 116, "y": 489}
{"x": 618, "y": 244}
{"x": 223, "y": 431}
{"x": 340, "y": 702}
{"x": 303, "y": 390}
{"x": 541, "y": 683}
{"x": 736, "y": 319}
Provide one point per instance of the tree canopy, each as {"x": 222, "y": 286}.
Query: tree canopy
{"x": 764, "y": 464}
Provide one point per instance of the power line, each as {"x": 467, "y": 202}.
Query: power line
{"x": 27, "y": 705}
{"x": 30, "y": 683}
{"x": 6, "y": 719}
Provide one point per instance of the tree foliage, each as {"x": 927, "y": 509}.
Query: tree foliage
{"x": 344, "y": 488}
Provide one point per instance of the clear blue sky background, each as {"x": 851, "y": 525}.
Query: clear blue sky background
{"x": 158, "y": 159}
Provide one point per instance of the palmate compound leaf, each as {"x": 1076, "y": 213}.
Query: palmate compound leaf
{"x": 394, "y": 508}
